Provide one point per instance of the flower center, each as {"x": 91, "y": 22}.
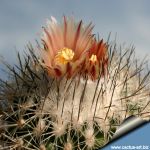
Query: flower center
{"x": 93, "y": 58}
{"x": 64, "y": 56}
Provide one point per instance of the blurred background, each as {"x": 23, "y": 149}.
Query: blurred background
{"x": 21, "y": 21}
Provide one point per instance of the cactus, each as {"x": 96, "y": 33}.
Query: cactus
{"x": 59, "y": 102}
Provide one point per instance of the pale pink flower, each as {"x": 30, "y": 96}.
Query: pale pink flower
{"x": 65, "y": 46}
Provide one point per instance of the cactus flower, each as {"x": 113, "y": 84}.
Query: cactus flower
{"x": 67, "y": 45}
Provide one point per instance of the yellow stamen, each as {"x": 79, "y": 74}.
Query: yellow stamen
{"x": 64, "y": 56}
{"x": 93, "y": 58}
